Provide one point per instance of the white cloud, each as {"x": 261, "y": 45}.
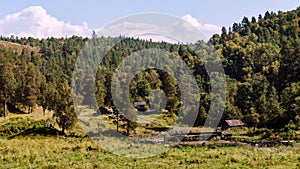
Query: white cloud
{"x": 35, "y": 22}
{"x": 207, "y": 29}
{"x": 139, "y": 29}
{"x": 191, "y": 20}
{"x": 161, "y": 27}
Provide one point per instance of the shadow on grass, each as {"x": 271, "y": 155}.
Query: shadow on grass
{"x": 14, "y": 110}
{"x": 254, "y": 133}
{"x": 38, "y": 131}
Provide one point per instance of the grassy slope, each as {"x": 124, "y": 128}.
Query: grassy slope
{"x": 17, "y": 47}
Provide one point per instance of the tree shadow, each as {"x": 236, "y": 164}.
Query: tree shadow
{"x": 38, "y": 131}
{"x": 254, "y": 133}
{"x": 14, "y": 110}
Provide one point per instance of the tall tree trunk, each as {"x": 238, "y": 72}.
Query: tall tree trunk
{"x": 127, "y": 128}
{"x": 5, "y": 105}
{"x": 117, "y": 121}
{"x": 44, "y": 111}
{"x": 63, "y": 126}
{"x": 31, "y": 110}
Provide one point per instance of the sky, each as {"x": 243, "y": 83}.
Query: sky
{"x": 44, "y": 18}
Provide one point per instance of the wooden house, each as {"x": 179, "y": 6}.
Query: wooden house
{"x": 232, "y": 123}
{"x": 140, "y": 106}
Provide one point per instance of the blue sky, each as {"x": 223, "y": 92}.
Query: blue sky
{"x": 97, "y": 13}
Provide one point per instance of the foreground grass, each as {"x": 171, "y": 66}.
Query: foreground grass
{"x": 26, "y": 143}
{"x": 57, "y": 152}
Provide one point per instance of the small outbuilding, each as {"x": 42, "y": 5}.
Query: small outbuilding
{"x": 140, "y": 106}
{"x": 232, "y": 123}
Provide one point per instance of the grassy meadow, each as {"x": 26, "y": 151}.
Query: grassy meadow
{"x": 51, "y": 152}
{"x": 25, "y": 142}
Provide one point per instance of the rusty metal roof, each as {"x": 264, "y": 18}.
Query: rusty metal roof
{"x": 140, "y": 104}
{"x": 234, "y": 123}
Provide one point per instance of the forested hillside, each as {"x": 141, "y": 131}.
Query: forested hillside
{"x": 38, "y": 73}
{"x": 261, "y": 58}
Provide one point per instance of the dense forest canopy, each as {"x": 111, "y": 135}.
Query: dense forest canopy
{"x": 261, "y": 59}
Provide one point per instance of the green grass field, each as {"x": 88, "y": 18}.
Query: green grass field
{"x": 51, "y": 152}
{"x": 26, "y": 143}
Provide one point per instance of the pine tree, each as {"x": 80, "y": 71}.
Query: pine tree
{"x": 31, "y": 87}
{"x": 7, "y": 82}
{"x": 64, "y": 109}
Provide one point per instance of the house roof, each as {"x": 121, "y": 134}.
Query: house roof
{"x": 234, "y": 123}
{"x": 140, "y": 104}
